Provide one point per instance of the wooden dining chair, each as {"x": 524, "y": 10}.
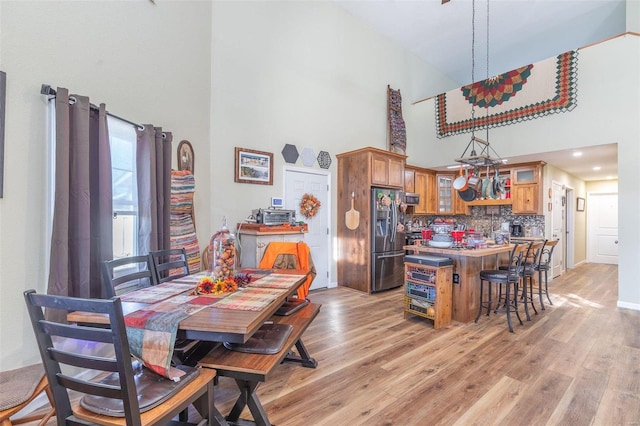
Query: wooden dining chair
{"x": 169, "y": 264}
{"x": 120, "y": 391}
{"x": 127, "y": 274}
{"x": 18, "y": 388}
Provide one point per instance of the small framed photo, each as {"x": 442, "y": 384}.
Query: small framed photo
{"x": 186, "y": 160}
{"x": 580, "y": 204}
{"x": 253, "y": 166}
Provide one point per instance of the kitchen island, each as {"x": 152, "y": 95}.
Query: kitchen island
{"x": 467, "y": 264}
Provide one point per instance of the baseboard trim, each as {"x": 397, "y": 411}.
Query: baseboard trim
{"x": 627, "y": 305}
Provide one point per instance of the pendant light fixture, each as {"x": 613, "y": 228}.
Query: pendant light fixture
{"x": 484, "y": 157}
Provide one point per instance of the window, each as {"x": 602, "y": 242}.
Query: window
{"x": 122, "y": 139}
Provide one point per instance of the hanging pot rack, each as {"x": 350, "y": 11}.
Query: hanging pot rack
{"x": 482, "y": 159}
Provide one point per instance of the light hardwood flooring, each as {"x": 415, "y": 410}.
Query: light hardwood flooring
{"x": 576, "y": 363}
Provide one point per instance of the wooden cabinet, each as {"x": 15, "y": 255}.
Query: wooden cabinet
{"x": 409, "y": 180}
{"x": 387, "y": 170}
{"x": 254, "y": 243}
{"x": 421, "y": 189}
{"x": 431, "y": 194}
{"x": 428, "y": 292}
{"x": 447, "y": 199}
{"x": 422, "y": 182}
{"x": 444, "y": 194}
{"x": 358, "y": 171}
{"x": 526, "y": 188}
{"x": 525, "y": 199}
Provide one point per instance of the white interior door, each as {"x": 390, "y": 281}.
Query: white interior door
{"x": 557, "y": 227}
{"x": 296, "y": 183}
{"x": 602, "y": 225}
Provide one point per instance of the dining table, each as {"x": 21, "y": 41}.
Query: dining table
{"x": 212, "y": 323}
{"x": 178, "y": 311}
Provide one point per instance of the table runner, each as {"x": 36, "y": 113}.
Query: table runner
{"x": 151, "y": 331}
{"x": 156, "y": 293}
{"x": 249, "y": 299}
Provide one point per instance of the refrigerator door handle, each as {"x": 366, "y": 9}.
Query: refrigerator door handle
{"x": 394, "y": 220}
{"x": 385, "y": 256}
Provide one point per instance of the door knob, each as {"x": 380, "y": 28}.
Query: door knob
{"x": 616, "y": 241}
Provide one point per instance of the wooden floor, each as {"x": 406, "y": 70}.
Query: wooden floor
{"x": 577, "y": 363}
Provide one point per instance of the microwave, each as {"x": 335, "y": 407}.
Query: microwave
{"x": 411, "y": 199}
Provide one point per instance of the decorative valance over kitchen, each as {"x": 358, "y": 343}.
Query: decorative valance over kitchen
{"x": 529, "y": 92}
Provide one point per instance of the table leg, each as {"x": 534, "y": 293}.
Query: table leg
{"x": 248, "y": 398}
{"x": 304, "y": 358}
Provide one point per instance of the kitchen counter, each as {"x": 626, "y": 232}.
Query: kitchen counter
{"x": 467, "y": 265}
{"x": 527, "y": 238}
{"x": 448, "y": 252}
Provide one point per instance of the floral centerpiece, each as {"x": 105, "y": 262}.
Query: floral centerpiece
{"x": 309, "y": 205}
{"x": 211, "y": 285}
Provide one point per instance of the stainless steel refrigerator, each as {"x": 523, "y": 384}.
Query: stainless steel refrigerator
{"x": 387, "y": 256}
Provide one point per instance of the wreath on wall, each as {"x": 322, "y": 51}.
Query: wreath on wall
{"x": 309, "y": 205}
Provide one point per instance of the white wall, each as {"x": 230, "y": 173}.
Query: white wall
{"x": 553, "y": 174}
{"x": 301, "y": 73}
{"x": 147, "y": 63}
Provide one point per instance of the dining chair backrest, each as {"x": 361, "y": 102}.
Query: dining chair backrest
{"x": 290, "y": 255}
{"x": 547, "y": 254}
{"x": 97, "y": 363}
{"x": 127, "y": 274}
{"x": 517, "y": 258}
{"x": 169, "y": 264}
{"x": 537, "y": 249}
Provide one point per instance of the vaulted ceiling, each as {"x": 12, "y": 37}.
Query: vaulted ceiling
{"x": 521, "y": 32}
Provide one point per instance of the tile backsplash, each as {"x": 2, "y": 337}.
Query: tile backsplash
{"x": 481, "y": 219}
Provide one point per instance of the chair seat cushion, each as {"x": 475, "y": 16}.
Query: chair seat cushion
{"x": 152, "y": 390}
{"x": 17, "y": 386}
{"x": 269, "y": 339}
{"x": 499, "y": 275}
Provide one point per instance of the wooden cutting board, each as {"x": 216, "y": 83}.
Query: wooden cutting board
{"x": 352, "y": 217}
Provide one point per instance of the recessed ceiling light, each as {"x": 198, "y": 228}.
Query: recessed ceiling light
{"x": 596, "y": 168}
{"x": 577, "y": 154}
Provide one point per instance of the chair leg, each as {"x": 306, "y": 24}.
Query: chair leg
{"x": 515, "y": 302}
{"x": 481, "y": 301}
{"x": 508, "y": 303}
{"x": 530, "y": 295}
{"x": 499, "y": 298}
{"x": 524, "y": 297}
{"x": 540, "y": 289}
{"x": 546, "y": 286}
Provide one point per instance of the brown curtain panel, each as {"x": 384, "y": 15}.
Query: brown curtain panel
{"x": 153, "y": 164}
{"x": 82, "y": 220}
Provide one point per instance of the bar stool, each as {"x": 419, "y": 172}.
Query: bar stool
{"x": 545, "y": 264}
{"x": 509, "y": 277}
{"x": 528, "y": 272}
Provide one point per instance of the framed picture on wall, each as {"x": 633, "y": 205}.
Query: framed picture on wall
{"x": 253, "y": 166}
{"x": 186, "y": 160}
{"x": 580, "y": 204}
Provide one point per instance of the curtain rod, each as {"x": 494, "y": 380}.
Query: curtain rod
{"x": 46, "y": 89}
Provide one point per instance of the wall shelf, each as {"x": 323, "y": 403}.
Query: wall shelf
{"x": 506, "y": 201}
